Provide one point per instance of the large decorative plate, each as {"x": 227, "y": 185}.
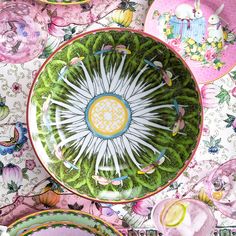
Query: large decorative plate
{"x": 47, "y": 218}
{"x": 114, "y": 115}
{"x": 202, "y": 31}
{"x": 61, "y": 228}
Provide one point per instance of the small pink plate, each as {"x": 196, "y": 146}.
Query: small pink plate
{"x": 203, "y": 32}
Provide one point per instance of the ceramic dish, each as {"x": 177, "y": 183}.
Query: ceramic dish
{"x": 49, "y": 217}
{"x": 62, "y": 228}
{"x": 65, "y": 2}
{"x": 23, "y": 32}
{"x": 114, "y": 115}
{"x": 202, "y": 31}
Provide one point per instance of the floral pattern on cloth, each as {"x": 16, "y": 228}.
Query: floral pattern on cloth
{"x": 25, "y": 187}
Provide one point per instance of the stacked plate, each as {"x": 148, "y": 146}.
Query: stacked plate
{"x": 61, "y": 222}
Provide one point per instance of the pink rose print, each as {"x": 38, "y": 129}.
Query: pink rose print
{"x": 206, "y": 131}
{"x": 143, "y": 207}
{"x": 210, "y": 55}
{"x": 175, "y": 44}
{"x": 16, "y": 87}
{"x": 30, "y": 164}
{"x": 55, "y": 27}
{"x": 192, "y": 164}
{"x": 209, "y": 93}
{"x": 234, "y": 92}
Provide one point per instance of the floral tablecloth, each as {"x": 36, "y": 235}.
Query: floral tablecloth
{"x": 23, "y": 181}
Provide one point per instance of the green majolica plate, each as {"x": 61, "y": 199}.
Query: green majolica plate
{"x": 114, "y": 115}
{"x": 42, "y": 222}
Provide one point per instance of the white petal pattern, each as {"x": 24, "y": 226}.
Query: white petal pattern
{"x": 71, "y": 115}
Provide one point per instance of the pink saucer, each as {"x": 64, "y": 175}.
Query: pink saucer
{"x": 23, "y": 32}
{"x": 203, "y": 32}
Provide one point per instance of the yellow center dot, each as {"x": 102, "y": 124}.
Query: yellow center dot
{"x": 108, "y": 115}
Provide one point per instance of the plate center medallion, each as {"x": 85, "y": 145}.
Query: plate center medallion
{"x": 108, "y": 115}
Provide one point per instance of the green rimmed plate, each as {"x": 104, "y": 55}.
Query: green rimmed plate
{"x": 73, "y": 218}
{"x": 62, "y": 228}
{"x": 114, "y": 115}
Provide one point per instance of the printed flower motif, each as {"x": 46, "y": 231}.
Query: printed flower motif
{"x": 56, "y": 24}
{"x": 213, "y": 44}
{"x": 169, "y": 32}
{"x": 34, "y": 73}
{"x": 219, "y": 45}
{"x": 16, "y": 87}
{"x": 209, "y": 93}
{"x": 143, "y": 207}
{"x": 234, "y": 124}
{"x": 234, "y": 92}
{"x": 20, "y": 152}
{"x": 192, "y": 164}
{"x": 55, "y": 27}
{"x": 177, "y": 195}
{"x": 175, "y": 43}
{"x": 197, "y": 57}
{"x": 30, "y": 164}
{"x": 187, "y": 49}
{"x": 194, "y": 50}
{"x": 204, "y": 52}
{"x": 204, "y": 45}
{"x": 218, "y": 64}
{"x": 210, "y": 55}
{"x": 213, "y": 145}
{"x": 206, "y": 131}
{"x": 191, "y": 41}
{"x": 12, "y": 177}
